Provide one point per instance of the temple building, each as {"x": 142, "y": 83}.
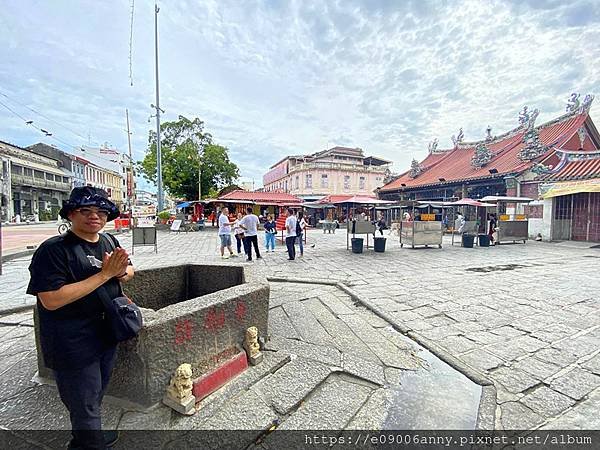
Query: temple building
{"x": 556, "y": 163}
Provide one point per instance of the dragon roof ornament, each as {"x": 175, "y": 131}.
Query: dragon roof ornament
{"x": 482, "y": 156}
{"x": 458, "y": 139}
{"x": 432, "y": 147}
{"x": 574, "y": 105}
{"x": 534, "y": 148}
{"x": 416, "y": 169}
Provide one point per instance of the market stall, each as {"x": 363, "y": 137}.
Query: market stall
{"x": 512, "y": 225}
{"x": 421, "y": 225}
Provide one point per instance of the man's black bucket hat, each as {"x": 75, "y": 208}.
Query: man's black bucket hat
{"x": 89, "y": 196}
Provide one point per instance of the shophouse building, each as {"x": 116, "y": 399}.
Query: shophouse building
{"x": 338, "y": 170}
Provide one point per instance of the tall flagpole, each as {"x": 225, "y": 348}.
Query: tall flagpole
{"x": 158, "y": 152}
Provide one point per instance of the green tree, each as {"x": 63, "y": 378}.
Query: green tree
{"x": 185, "y": 146}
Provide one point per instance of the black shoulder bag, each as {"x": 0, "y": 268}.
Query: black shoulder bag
{"x": 123, "y": 316}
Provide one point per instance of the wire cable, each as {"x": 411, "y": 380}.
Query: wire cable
{"x": 131, "y": 44}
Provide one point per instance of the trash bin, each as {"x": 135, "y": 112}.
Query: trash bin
{"x": 468, "y": 240}
{"x": 379, "y": 245}
{"x": 484, "y": 240}
{"x": 357, "y": 245}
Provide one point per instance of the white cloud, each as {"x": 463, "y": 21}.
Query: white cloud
{"x": 271, "y": 78}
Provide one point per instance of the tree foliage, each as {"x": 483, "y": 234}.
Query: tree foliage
{"x": 185, "y": 146}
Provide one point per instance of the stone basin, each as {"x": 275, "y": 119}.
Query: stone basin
{"x": 193, "y": 313}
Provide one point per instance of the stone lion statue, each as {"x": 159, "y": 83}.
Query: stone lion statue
{"x": 181, "y": 383}
{"x": 251, "y": 342}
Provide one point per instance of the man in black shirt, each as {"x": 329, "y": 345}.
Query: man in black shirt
{"x": 74, "y": 336}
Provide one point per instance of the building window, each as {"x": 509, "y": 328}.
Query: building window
{"x": 39, "y": 174}
{"x": 361, "y": 183}
{"x": 309, "y": 180}
{"x": 65, "y": 179}
{"x": 17, "y": 170}
{"x": 324, "y": 181}
{"x": 28, "y": 172}
{"x": 50, "y": 177}
{"x": 346, "y": 182}
{"x": 297, "y": 182}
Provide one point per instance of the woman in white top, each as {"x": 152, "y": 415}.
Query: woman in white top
{"x": 239, "y": 233}
{"x": 301, "y": 228}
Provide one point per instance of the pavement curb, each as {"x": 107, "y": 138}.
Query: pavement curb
{"x": 486, "y": 412}
{"x": 17, "y": 255}
{"x": 16, "y": 309}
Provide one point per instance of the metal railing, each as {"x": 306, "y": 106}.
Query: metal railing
{"x": 40, "y": 183}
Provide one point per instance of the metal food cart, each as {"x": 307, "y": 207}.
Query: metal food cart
{"x": 426, "y": 231}
{"x": 512, "y": 227}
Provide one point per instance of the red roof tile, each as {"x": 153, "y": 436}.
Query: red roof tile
{"x": 574, "y": 166}
{"x": 454, "y": 165}
{"x": 262, "y": 197}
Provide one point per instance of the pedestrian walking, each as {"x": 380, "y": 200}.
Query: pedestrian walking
{"x": 270, "y": 232}
{"x": 225, "y": 233}
{"x": 250, "y": 224}
{"x": 300, "y": 230}
{"x": 70, "y": 274}
{"x": 239, "y": 234}
{"x": 290, "y": 237}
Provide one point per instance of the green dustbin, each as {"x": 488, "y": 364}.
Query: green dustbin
{"x": 357, "y": 245}
{"x": 379, "y": 245}
{"x": 484, "y": 240}
{"x": 468, "y": 240}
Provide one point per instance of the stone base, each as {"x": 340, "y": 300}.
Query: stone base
{"x": 254, "y": 360}
{"x": 211, "y": 381}
{"x": 184, "y": 406}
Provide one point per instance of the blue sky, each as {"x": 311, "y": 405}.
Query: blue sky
{"x": 271, "y": 78}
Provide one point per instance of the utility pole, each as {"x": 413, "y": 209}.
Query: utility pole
{"x": 130, "y": 181}
{"x": 200, "y": 172}
{"x": 158, "y": 110}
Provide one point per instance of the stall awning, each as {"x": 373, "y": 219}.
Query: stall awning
{"x": 569, "y": 187}
{"x": 470, "y": 202}
{"x": 183, "y": 205}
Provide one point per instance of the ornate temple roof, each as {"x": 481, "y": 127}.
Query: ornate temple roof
{"x": 510, "y": 153}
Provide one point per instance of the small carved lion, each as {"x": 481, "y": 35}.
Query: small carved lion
{"x": 181, "y": 383}
{"x": 251, "y": 342}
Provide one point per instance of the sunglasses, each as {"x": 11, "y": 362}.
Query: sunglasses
{"x": 102, "y": 213}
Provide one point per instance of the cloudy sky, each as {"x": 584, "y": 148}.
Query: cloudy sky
{"x": 272, "y": 78}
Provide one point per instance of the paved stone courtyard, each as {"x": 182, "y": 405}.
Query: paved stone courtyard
{"x": 525, "y": 316}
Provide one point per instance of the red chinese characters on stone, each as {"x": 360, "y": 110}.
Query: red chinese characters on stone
{"x": 183, "y": 331}
{"x": 240, "y": 311}
{"x": 214, "y": 320}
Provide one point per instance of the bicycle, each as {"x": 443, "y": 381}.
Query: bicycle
{"x": 64, "y": 227}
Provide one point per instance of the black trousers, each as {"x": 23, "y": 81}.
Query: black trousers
{"x": 82, "y": 390}
{"x": 250, "y": 241}
{"x": 239, "y": 238}
{"x": 291, "y": 248}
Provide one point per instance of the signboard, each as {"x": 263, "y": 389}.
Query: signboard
{"x": 504, "y": 217}
{"x": 521, "y": 217}
{"x": 144, "y": 222}
{"x": 428, "y": 217}
{"x": 143, "y": 210}
{"x": 176, "y": 224}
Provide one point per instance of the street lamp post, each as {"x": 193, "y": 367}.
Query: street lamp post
{"x": 200, "y": 171}
{"x": 158, "y": 111}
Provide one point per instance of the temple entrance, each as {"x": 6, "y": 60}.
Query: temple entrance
{"x": 577, "y": 217}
